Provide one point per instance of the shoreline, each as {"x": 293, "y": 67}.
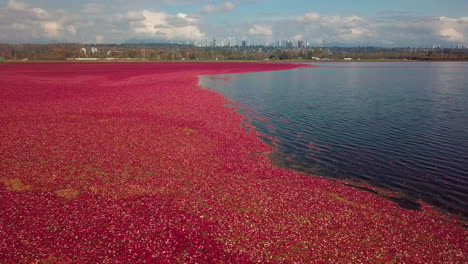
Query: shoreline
{"x": 406, "y": 200}
{"x": 167, "y": 168}
{"x": 223, "y": 61}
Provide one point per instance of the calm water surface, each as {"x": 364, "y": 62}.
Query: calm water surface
{"x": 402, "y": 126}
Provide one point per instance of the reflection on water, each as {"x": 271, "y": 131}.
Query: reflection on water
{"x": 402, "y": 126}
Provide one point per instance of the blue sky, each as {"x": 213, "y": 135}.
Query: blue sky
{"x": 358, "y": 22}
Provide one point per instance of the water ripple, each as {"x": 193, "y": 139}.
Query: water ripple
{"x": 399, "y": 126}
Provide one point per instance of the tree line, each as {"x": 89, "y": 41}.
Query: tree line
{"x": 170, "y": 52}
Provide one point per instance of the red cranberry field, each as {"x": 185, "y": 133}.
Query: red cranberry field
{"x": 135, "y": 163}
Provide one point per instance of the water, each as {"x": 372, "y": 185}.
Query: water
{"x": 401, "y": 126}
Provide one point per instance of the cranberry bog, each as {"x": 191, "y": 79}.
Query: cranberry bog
{"x": 135, "y": 163}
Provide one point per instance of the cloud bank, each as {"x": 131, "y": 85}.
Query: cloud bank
{"x": 23, "y": 22}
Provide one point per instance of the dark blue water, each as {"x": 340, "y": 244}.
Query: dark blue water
{"x": 401, "y": 126}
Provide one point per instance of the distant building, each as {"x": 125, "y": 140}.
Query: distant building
{"x": 213, "y": 44}
{"x": 83, "y": 59}
{"x": 243, "y": 44}
{"x": 300, "y": 44}
{"x": 84, "y": 51}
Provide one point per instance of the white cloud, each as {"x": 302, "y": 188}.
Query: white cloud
{"x": 150, "y": 22}
{"x": 99, "y": 39}
{"x": 454, "y": 29}
{"x": 264, "y": 30}
{"x": 12, "y": 4}
{"x": 187, "y": 18}
{"x": 20, "y": 22}
{"x": 134, "y": 16}
{"x": 40, "y": 13}
{"x": 17, "y": 26}
{"x": 309, "y": 17}
{"x": 298, "y": 37}
{"x": 317, "y": 28}
{"x": 210, "y": 9}
{"x": 452, "y": 34}
{"x": 71, "y": 29}
{"x": 163, "y": 26}
{"x": 51, "y": 28}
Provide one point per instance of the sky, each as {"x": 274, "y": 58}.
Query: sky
{"x": 396, "y": 23}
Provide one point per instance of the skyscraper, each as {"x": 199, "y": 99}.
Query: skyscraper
{"x": 300, "y": 44}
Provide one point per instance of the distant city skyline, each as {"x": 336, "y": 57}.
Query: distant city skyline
{"x": 398, "y": 23}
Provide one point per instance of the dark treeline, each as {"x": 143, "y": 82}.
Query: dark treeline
{"x": 169, "y": 52}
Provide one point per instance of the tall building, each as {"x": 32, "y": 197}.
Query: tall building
{"x": 243, "y": 44}
{"x": 213, "y": 43}
{"x": 300, "y": 44}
